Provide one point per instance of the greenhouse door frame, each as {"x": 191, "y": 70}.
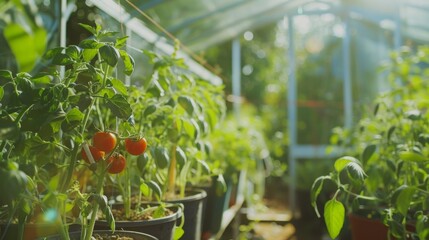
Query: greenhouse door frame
{"x": 296, "y": 150}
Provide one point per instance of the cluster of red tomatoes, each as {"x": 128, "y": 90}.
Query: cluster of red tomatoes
{"x": 105, "y": 142}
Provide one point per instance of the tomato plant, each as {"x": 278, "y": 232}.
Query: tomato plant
{"x": 105, "y": 141}
{"x": 135, "y": 146}
{"x": 95, "y": 152}
{"x": 117, "y": 163}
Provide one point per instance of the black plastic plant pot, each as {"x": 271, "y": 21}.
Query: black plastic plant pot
{"x": 216, "y": 205}
{"x": 193, "y": 212}
{"x": 161, "y": 228}
{"x": 107, "y": 234}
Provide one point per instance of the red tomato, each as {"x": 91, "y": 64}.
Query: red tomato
{"x": 117, "y": 163}
{"x": 105, "y": 141}
{"x": 135, "y": 146}
{"x": 96, "y": 154}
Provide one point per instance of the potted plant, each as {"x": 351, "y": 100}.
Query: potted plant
{"x": 241, "y": 159}
{"x": 385, "y": 172}
{"x": 54, "y": 120}
{"x": 175, "y": 110}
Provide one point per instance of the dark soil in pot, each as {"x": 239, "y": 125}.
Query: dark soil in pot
{"x": 161, "y": 228}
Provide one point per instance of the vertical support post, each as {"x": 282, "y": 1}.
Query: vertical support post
{"x": 397, "y": 34}
{"x": 128, "y": 32}
{"x": 347, "y": 87}
{"x": 236, "y": 75}
{"x": 63, "y": 29}
{"x": 292, "y": 114}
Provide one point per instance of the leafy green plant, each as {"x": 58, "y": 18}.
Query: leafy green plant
{"x": 48, "y": 119}
{"x": 175, "y": 110}
{"x": 390, "y": 178}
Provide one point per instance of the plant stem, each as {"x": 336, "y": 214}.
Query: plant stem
{"x": 98, "y": 191}
{"x": 360, "y": 196}
{"x": 172, "y": 171}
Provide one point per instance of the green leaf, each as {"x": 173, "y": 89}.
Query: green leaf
{"x": 422, "y": 226}
{"x": 334, "y": 217}
{"x": 316, "y": 189}
{"x": 119, "y": 86}
{"x": 342, "y": 162}
{"x": 120, "y": 42}
{"x": 178, "y": 232}
{"x": 368, "y": 152}
{"x": 73, "y": 52}
{"x": 188, "y": 127}
{"x": 6, "y": 75}
{"x": 1, "y": 93}
{"x": 352, "y": 164}
{"x": 390, "y": 132}
{"x": 402, "y": 197}
{"x": 89, "y": 54}
{"x": 149, "y": 110}
{"x": 73, "y": 119}
{"x": 62, "y": 59}
{"x": 180, "y": 156}
{"x": 119, "y": 106}
{"x": 187, "y": 103}
{"x": 155, "y": 188}
{"x": 26, "y": 48}
{"x": 128, "y": 62}
{"x": 88, "y": 28}
{"x": 109, "y": 54}
{"x": 90, "y": 44}
{"x": 409, "y": 156}
{"x": 145, "y": 190}
{"x": 162, "y": 159}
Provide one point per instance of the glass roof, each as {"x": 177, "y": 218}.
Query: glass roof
{"x": 203, "y": 23}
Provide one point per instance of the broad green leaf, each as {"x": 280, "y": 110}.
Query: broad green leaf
{"x": 6, "y": 75}
{"x": 351, "y": 163}
{"x": 119, "y": 86}
{"x": 402, "y": 197}
{"x": 316, "y": 189}
{"x": 90, "y": 44}
{"x": 145, "y": 190}
{"x": 73, "y": 52}
{"x": 187, "y": 103}
{"x": 161, "y": 156}
{"x": 119, "y": 106}
{"x": 121, "y": 42}
{"x": 180, "y": 156}
{"x": 206, "y": 167}
{"x": 17, "y": 37}
{"x": 142, "y": 161}
{"x": 409, "y": 156}
{"x": 159, "y": 212}
{"x": 88, "y": 28}
{"x": 155, "y": 188}
{"x": 1, "y": 93}
{"x": 62, "y": 59}
{"x": 188, "y": 127}
{"x": 368, "y": 152}
{"x": 178, "y": 232}
{"x": 149, "y": 110}
{"x": 422, "y": 226}
{"x": 390, "y": 132}
{"x": 89, "y": 54}
{"x": 109, "y": 54}
{"x": 334, "y": 217}
{"x": 128, "y": 62}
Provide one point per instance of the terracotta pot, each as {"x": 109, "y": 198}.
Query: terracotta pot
{"x": 363, "y": 228}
